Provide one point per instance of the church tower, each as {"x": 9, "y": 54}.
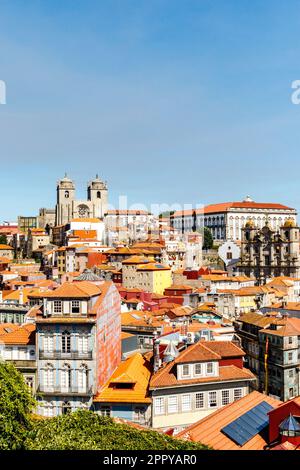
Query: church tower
{"x": 65, "y": 199}
{"x": 98, "y": 196}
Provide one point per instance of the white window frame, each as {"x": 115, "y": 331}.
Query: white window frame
{"x": 186, "y": 406}
{"x": 188, "y": 368}
{"x": 199, "y": 397}
{"x": 173, "y": 404}
{"x": 57, "y": 306}
{"x": 212, "y": 367}
{"x": 227, "y": 398}
{"x": 240, "y": 392}
{"x": 210, "y": 400}
{"x": 201, "y": 369}
{"x": 159, "y": 406}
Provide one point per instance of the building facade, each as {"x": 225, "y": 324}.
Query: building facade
{"x": 68, "y": 208}
{"x": 226, "y": 220}
{"x": 266, "y": 253}
{"x": 78, "y": 344}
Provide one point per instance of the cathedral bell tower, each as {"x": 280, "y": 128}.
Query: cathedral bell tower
{"x": 97, "y": 193}
{"x": 65, "y": 197}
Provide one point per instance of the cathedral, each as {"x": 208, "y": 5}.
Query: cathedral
{"x": 68, "y": 208}
{"x": 266, "y": 253}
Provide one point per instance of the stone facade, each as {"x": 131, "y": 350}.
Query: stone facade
{"x": 266, "y": 253}
{"x": 68, "y": 208}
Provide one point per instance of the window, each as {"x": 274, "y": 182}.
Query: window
{"x": 66, "y": 408}
{"x": 159, "y": 406}
{"x": 290, "y": 340}
{"x": 48, "y": 410}
{"x": 57, "y": 306}
{"x": 290, "y": 356}
{"x": 139, "y": 414}
{"x": 199, "y": 400}
{"x": 48, "y": 376}
{"x": 198, "y": 369}
{"x": 83, "y": 344}
{"x": 225, "y": 397}
{"x": 186, "y": 402}
{"x": 237, "y": 394}
{"x": 186, "y": 370}
{"x": 66, "y": 377}
{"x": 291, "y": 373}
{"x": 66, "y": 341}
{"x": 48, "y": 343}
{"x": 98, "y": 195}
{"x": 172, "y": 404}
{"x": 291, "y": 392}
{"x": 83, "y": 377}
{"x": 212, "y": 399}
{"x": 105, "y": 410}
{"x": 209, "y": 368}
{"x": 75, "y": 306}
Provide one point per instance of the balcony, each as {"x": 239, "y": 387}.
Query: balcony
{"x": 67, "y": 391}
{"x": 58, "y": 354}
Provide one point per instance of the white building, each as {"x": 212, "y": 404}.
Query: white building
{"x": 225, "y": 220}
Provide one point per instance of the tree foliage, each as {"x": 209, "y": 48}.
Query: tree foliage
{"x": 16, "y": 404}
{"x": 3, "y": 240}
{"x": 207, "y": 239}
{"x": 86, "y": 430}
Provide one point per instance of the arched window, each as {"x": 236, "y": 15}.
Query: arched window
{"x": 66, "y": 407}
{"x": 67, "y": 194}
{"x": 48, "y": 376}
{"x": 66, "y": 341}
{"x": 98, "y": 195}
{"x": 83, "y": 377}
{"x": 66, "y": 379}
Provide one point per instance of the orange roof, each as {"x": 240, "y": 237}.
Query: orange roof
{"x": 92, "y": 220}
{"x": 5, "y": 247}
{"x": 166, "y": 377}
{"x": 80, "y": 289}
{"x": 27, "y": 291}
{"x": 4, "y": 260}
{"x": 227, "y": 206}
{"x": 153, "y": 267}
{"x": 291, "y": 327}
{"x": 24, "y": 334}
{"x": 86, "y": 234}
{"x": 137, "y": 260}
{"x": 208, "y": 430}
{"x": 135, "y": 372}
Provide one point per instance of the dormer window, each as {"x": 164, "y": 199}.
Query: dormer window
{"x": 57, "y": 306}
{"x": 198, "y": 369}
{"x": 75, "y": 306}
{"x": 210, "y": 368}
{"x": 185, "y": 370}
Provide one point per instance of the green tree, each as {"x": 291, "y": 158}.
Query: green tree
{"x": 207, "y": 239}
{"x": 3, "y": 240}
{"x": 16, "y": 404}
{"x": 86, "y": 430}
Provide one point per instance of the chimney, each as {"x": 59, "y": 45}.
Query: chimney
{"x": 21, "y": 297}
{"x": 156, "y": 355}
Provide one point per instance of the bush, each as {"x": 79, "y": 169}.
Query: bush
{"x": 86, "y": 430}
{"x": 16, "y": 404}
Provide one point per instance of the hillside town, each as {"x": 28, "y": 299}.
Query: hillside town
{"x": 186, "y": 322}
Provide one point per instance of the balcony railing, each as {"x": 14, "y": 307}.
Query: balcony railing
{"x": 59, "y": 390}
{"x": 58, "y": 354}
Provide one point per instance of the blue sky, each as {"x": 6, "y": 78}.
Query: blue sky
{"x": 170, "y": 101}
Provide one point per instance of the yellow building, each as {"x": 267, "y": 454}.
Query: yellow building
{"x": 154, "y": 277}
{"x": 144, "y": 273}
